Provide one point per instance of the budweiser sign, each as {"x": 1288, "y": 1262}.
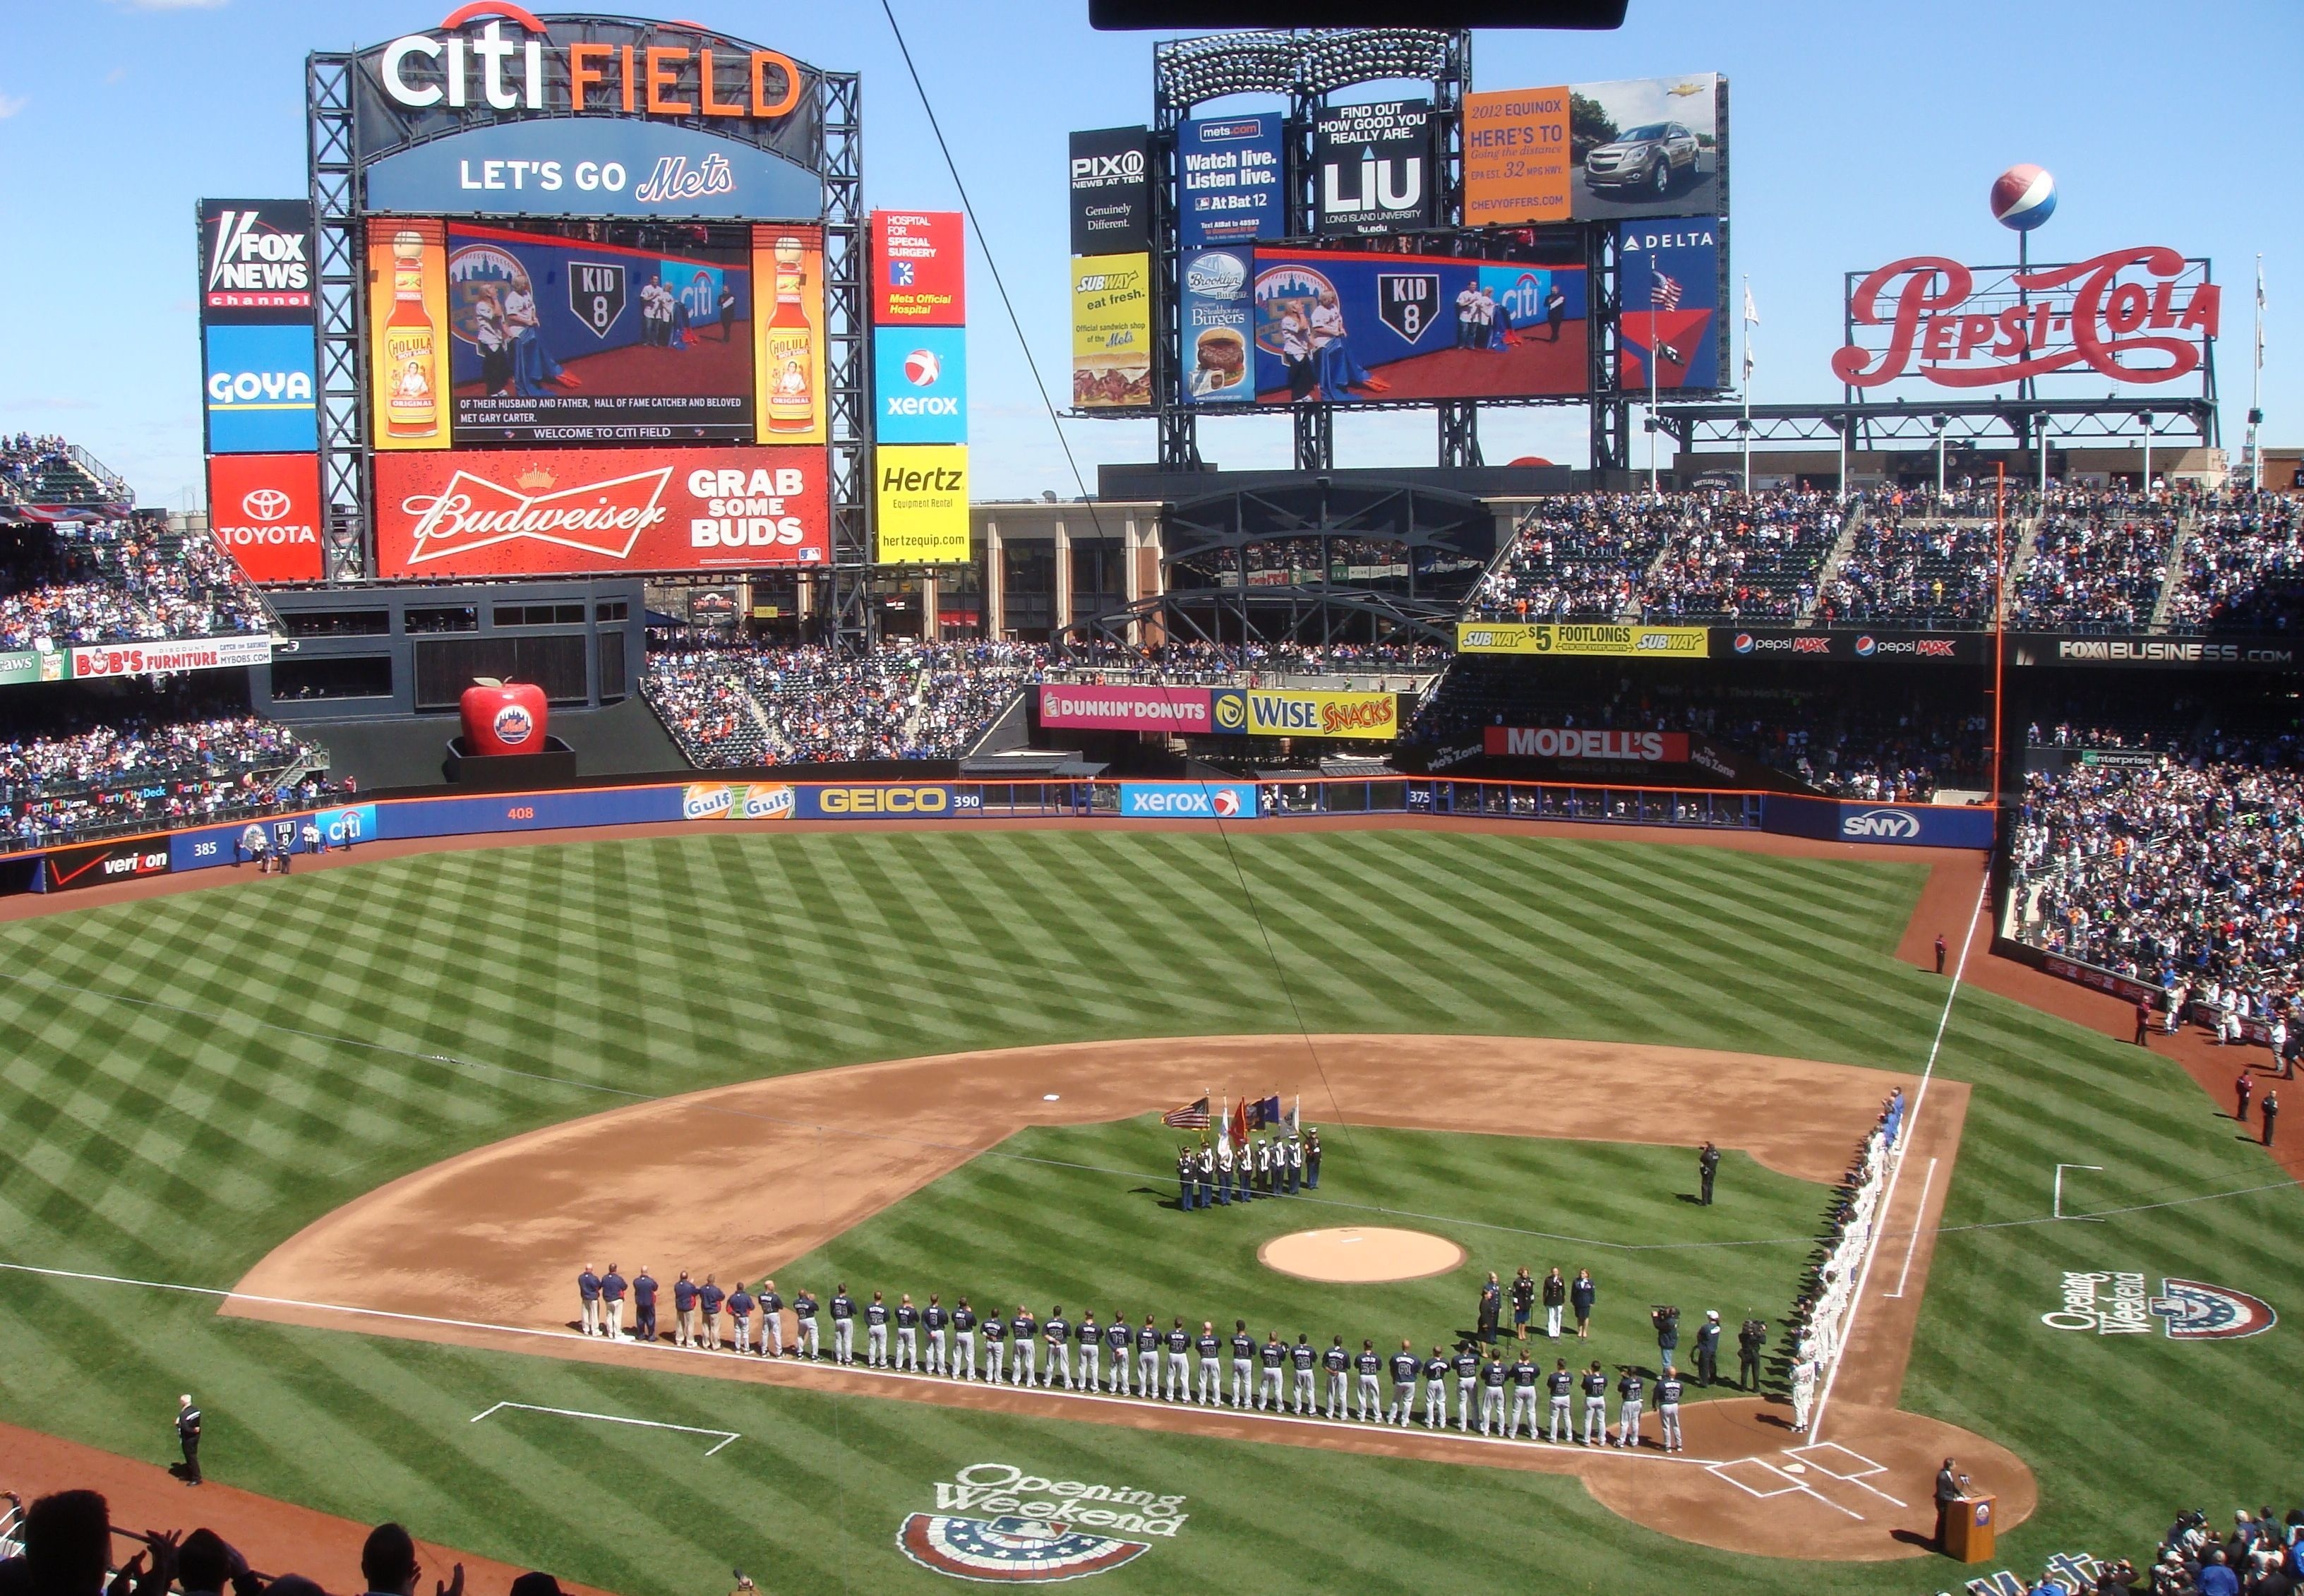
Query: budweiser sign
{"x": 558, "y": 512}
{"x": 2144, "y": 315}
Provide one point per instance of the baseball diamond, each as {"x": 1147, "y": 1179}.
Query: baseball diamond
{"x": 406, "y": 1152}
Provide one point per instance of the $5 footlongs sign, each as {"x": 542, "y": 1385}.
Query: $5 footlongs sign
{"x": 996, "y": 1524}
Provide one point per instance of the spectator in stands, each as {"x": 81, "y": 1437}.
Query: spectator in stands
{"x": 119, "y": 581}
{"x": 389, "y": 1566}
{"x": 138, "y": 773}
{"x": 68, "y": 1551}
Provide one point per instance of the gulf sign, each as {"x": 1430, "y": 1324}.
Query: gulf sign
{"x": 1305, "y": 712}
{"x": 564, "y": 511}
{"x": 2144, "y": 315}
{"x": 1127, "y": 709}
{"x": 1585, "y": 742}
{"x": 265, "y": 509}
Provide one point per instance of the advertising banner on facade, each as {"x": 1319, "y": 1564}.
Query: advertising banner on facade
{"x": 1188, "y": 800}
{"x": 262, "y": 388}
{"x": 1641, "y": 147}
{"x": 1668, "y": 275}
{"x": 919, "y": 384}
{"x": 788, "y": 339}
{"x": 256, "y": 261}
{"x": 593, "y": 167}
{"x": 1347, "y": 325}
{"x": 18, "y": 666}
{"x": 265, "y": 509}
{"x": 1516, "y": 166}
{"x": 891, "y": 801}
{"x": 1111, "y": 332}
{"x": 567, "y": 512}
{"x": 1590, "y": 638}
{"x": 2134, "y": 649}
{"x": 920, "y": 504}
{"x": 920, "y": 268}
{"x": 1216, "y": 327}
{"x": 737, "y": 800}
{"x": 408, "y": 334}
{"x": 1584, "y": 743}
{"x": 159, "y": 659}
{"x": 1373, "y": 169}
{"x": 1910, "y": 825}
{"x": 95, "y": 864}
{"x": 561, "y": 340}
{"x": 1230, "y": 179}
{"x": 1112, "y": 191}
{"x": 1785, "y": 643}
{"x": 1094, "y": 707}
{"x": 1305, "y": 712}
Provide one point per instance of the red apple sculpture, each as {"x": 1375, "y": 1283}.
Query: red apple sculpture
{"x": 502, "y": 718}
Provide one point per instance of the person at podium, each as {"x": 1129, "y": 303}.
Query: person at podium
{"x": 1947, "y": 1492}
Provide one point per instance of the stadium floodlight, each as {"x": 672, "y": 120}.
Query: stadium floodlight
{"x": 2147, "y": 418}
{"x": 1191, "y": 70}
{"x": 1334, "y": 60}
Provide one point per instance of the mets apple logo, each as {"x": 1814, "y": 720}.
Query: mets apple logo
{"x": 921, "y": 368}
{"x": 1010, "y": 1550}
{"x": 513, "y": 725}
{"x": 2196, "y": 1311}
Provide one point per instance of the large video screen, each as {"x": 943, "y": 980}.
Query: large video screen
{"x": 1345, "y": 325}
{"x": 1634, "y": 148}
{"x": 631, "y": 332}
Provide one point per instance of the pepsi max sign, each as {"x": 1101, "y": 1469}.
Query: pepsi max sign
{"x": 919, "y": 384}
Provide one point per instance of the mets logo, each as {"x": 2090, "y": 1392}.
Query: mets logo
{"x": 2195, "y": 1311}
{"x": 1010, "y": 1550}
{"x": 513, "y": 724}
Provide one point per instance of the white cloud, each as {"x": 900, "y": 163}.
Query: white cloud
{"x": 10, "y": 104}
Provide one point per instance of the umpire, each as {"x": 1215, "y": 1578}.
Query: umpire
{"x": 187, "y": 1436}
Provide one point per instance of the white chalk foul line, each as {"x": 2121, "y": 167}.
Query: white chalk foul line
{"x": 570, "y": 1413}
{"x": 1912, "y": 1242}
{"x": 2056, "y": 1199}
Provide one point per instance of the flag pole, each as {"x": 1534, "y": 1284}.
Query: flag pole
{"x": 1653, "y": 341}
{"x": 1747, "y": 385}
{"x": 2256, "y": 391}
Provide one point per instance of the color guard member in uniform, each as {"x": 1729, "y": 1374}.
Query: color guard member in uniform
{"x": 1205, "y": 1160}
{"x": 1223, "y": 1170}
{"x": 1303, "y": 1357}
{"x": 1312, "y": 1158}
{"x": 1582, "y": 1291}
{"x": 1185, "y": 1176}
{"x": 1595, "y": 1404}
{"x": 1804, "y": 1373}
{"x": 938, "y": 1320}
{"x": 1555, "y": 1297}
{"x": 963, "y": 1341}
{"x": 1405, "y": 1367}
{"x": 1338, "y": 1362}
{"x": 1295, "y": 1165}
{"x": 1209, "y": 1345}
{"x": 1523, "y": 1302}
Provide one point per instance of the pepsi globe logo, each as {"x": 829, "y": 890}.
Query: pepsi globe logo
{"x": 1743, "y": 644}
{"x": 921, "y": 368}
{"x": 513, "y": 725}
{"x": 1866, "y": 648}
{"x": 2023, "y": 197}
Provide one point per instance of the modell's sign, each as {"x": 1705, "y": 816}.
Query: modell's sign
{"x": 256, "y": 259}
{"x": 511, "y": 64}
{"x": 1585, "y": 742}
{"x": 2143, "y": 315}
{"x": 561, "y": 512}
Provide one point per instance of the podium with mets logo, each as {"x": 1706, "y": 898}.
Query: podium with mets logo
{"x": 1969, "y": 1527}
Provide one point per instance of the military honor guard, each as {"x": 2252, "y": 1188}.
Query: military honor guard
{"x": 1312, "y": 1158}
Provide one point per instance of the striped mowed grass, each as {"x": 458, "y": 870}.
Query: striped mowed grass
{"x": 186, "y": 1082}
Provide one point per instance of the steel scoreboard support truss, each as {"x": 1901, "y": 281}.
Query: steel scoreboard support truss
{"x": 334, "y": 164}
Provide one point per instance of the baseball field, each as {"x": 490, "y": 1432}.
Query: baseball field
{"x": 376, "y": 1118}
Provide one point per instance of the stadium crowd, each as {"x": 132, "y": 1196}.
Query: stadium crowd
{"x": 2182, "y": 867}
{"x": 61, "y": 1544}
{"x": 2243, "y": 565}
{"x": 2263, "y": 1556}
{"x": 2099, "y": 561}
{"x": 118, "y": 582}
{"x": 133, "y": 773}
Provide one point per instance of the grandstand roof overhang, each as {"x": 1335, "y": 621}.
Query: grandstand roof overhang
{"x": 1870, "y": 424}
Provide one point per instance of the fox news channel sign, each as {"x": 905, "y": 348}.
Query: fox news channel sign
{"x": 496, "y": 111}
{"x": 256, "y": 261}
{"x": 919, "y": 384}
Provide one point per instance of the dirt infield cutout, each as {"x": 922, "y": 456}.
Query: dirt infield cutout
{"x": 498, "y": 1225}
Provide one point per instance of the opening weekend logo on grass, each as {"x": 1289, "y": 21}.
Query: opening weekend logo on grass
{"x": 2114, "y": 1303}
{"x": 1033, "y": 1529}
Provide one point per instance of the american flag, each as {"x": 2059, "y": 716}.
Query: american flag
{"x": 1665, "y": 293}
{"x": 1192, "y": 1117}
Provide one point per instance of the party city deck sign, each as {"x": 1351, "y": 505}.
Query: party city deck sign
{"x": 996, "y": 1524}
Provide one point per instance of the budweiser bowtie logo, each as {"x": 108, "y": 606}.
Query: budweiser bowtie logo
{"x": 604, "y": 518}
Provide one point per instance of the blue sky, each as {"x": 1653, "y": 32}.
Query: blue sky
{"x": 1860, "y": 133}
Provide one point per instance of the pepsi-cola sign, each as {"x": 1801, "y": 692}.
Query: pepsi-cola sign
{"x": 2145, "y": 315}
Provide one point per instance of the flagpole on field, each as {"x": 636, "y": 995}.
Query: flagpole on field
{"x": 1653, "y": 341}
{"x": 2256, "y": 391}
{"x": 1751, "y": 315}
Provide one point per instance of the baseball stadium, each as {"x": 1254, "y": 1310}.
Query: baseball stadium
{"x": 611, "y": 982}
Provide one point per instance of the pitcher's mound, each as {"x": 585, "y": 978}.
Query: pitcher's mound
{"x": 1357, "y": 1256}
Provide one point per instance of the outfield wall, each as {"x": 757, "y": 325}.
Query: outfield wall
{"x": 205, "y": 847}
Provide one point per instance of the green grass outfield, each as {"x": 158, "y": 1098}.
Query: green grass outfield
{"x": 185, "y": 1081}
{"x": 1051, "y": 1216}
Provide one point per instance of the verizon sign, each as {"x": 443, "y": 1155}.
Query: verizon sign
{"x": 1585, "y": 742}
{"x": 564, "y": 511}
{"x": 2144, "y": 315}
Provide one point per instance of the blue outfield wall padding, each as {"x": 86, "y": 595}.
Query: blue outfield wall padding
{"x": 1907, "y": 825}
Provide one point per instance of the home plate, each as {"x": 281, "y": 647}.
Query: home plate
{"x": 1050, "y": 1097}
{"x": 1795, "y": 1468}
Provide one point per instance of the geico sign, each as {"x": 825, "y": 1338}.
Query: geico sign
{"x": 884, "y": 801}
{"x": 455, "y": 68}
{"x": 1892, "y": 824}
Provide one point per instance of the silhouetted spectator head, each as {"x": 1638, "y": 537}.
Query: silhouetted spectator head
{"x": 388, "y": 1559}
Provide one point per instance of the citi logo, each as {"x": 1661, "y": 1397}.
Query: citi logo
{"x": 1892, "y": 824}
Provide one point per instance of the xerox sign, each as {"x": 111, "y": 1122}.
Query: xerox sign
{"x": 561, "y": 512}
{"x": 265, "y": 509}
{"x": 1188, "y": 800}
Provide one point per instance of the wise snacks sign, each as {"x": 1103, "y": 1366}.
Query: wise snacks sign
{"x": 2144, "y": 315}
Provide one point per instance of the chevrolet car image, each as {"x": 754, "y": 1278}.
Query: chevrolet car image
{"x": 1650, "y": 158}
